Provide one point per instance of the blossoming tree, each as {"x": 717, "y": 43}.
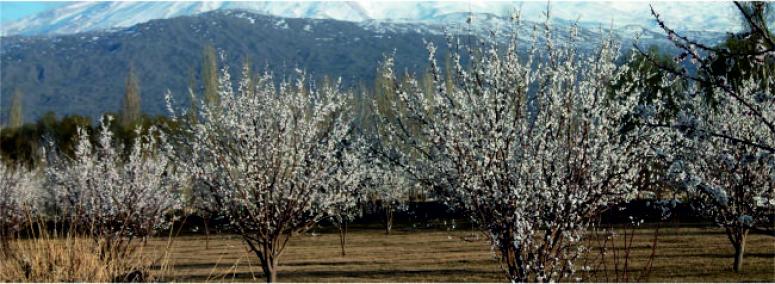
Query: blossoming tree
{"x": 722, "y": 142}
{"x": 16, "y": 203}
{"x": 115, "y": 194}
{"x": 386, "y": 190}
{"x": 525, "y": 145}
{"x": 349, "y": 181}
{"x": 273, "y": 161}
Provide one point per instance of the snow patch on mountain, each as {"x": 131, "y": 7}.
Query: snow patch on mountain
{"x": 93, "y": 16}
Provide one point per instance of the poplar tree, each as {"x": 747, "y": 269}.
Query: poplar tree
{"x": 210, "y": 75}
{"x": 16, "y": 118}
{"x": 193, "y": 110}
{"x": 130, "y": 107}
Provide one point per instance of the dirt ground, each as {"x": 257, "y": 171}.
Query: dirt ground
{"x": 682, "y": 255}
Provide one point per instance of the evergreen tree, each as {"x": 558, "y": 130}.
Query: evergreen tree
{"x": 641, "y": 79}
{"x": 743, "y": 57}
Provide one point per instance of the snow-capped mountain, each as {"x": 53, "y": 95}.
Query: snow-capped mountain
{"x": 94, "y": 16}
{"x": 84, "y": 73}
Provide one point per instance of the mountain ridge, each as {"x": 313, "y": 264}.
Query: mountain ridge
{"x": 92, "y": 16}
{"x": 84, "y": 73}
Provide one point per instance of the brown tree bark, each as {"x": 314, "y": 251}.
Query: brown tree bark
{"x": 388, "y": 222}
{"x": 738, "y": 236}
{"x": 343, "y": 236}
{"x": 740, "y": 251}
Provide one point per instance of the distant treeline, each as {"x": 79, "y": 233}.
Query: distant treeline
{"x": 25, "y": 144}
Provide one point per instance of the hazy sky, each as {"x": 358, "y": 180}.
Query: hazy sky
{"x": 10, "y": 11}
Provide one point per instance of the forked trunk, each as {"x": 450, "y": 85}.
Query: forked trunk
{"x": 268, "y": 258}
{"x": 271, "y": 274}
{"x": 269, "y": 266}
{"x": 738, "y": 236}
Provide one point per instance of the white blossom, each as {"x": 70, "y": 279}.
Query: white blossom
{"x": 112, "y": 193}
{"x": 19, "y": 197}
{"x": 273, "y": 161}
{"x": 525, "y": 145}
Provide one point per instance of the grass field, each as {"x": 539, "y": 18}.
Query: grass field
{"x": 683, "y": 255}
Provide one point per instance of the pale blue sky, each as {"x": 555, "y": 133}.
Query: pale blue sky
{"x": 10, "y": 11}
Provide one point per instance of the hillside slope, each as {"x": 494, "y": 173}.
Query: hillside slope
{"x": 84, "y": 73}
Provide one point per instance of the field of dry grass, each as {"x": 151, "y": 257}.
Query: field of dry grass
{"x": 683, "y": 254}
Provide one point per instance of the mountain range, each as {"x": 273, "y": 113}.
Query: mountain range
{"x": 73, "y": 60}
{"x": 96, "y": 16}
{"x": 84, "y": 73}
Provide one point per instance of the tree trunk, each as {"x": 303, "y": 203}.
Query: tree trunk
{"x": 740, "y": 251}
{"x": 737, "y": 236}
{"x": 388, "y": 219}
{"x": 207, "y": 233}
{"x": 269, "y": 265}
{"x": 343, "y": 236}
{"x": 511, "y": 260}
{"x": 272, "y": 275}
{"x": 512, "y": 263}
{"x": 267, "y": 258}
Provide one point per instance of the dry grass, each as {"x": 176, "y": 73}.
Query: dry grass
{"x": 684, "y": 254}
{"x": 52, "y": 258}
